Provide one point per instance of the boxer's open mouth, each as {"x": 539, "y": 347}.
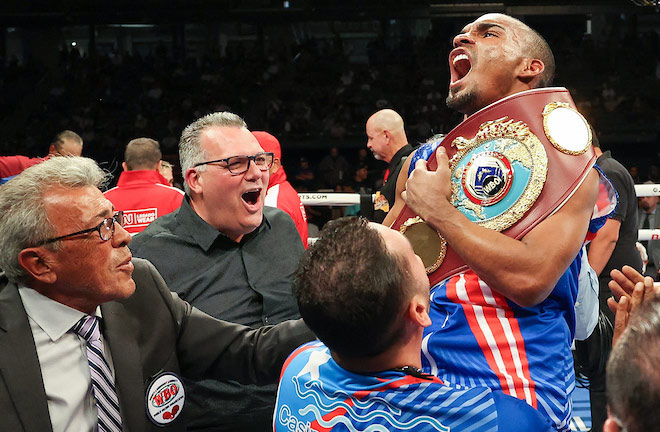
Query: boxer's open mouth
{"x": 251, "y": 197}
{"x": 461, "y": 66}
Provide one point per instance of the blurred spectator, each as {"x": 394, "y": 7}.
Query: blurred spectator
{"x": 360, "y": 181}
{"x": 654, "y": 174}
{"x": 333, "y": 169}
{"x": 358, "y": 184}
{"x": 166, "y": 170}
{"x": 280, "y": 193}
{"x": 648, "y": 219}
{"x": 634, "y": 173}
{"x": 142, "y": 193}
{"x": 66, "y": 143}
{"x": 365, "y": 159}
{"x": 304, "y": 179}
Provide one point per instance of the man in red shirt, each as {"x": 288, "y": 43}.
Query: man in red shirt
{"x": 280, "y": 193}
{"x": 66, "y": 143}
{"x": 142, "y": 193}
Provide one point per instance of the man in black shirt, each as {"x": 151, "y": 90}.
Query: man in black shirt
{"x": 386, "y": 138}
{"x": 228, "y": 255}
{"x": 612, "y": 248}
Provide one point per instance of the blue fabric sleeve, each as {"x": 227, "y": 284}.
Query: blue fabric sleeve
{"x": 423, "y": 152}
{"x": 515, "y": 415}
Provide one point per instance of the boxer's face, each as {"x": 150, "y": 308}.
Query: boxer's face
{"x": 484, "y": 62}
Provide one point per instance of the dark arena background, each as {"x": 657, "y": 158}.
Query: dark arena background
{"x": 309, "y": 72}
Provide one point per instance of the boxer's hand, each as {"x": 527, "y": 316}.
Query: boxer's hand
{"x": 427, "y": 192}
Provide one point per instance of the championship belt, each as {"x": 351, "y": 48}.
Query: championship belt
{"x": 513, "y": 163}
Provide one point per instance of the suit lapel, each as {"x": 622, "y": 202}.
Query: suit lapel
{"x": 19, "y": 364}
{"x": 120, "y": 333}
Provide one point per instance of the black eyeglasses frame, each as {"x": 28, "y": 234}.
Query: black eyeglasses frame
{"x": 247, "y": 167}
{"x": 117, "y": 217}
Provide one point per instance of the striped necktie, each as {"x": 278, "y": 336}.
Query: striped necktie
{"x": 103, "y": 383}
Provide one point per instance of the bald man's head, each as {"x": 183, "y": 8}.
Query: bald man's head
{"x": 385, "y": 134}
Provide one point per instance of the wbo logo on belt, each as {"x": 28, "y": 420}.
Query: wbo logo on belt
{"x": 498, "y": 174}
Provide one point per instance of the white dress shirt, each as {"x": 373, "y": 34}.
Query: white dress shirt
{"x": 63, "y": 359}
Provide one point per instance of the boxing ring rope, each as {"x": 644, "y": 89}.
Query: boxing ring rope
{"x": 642, "y": 190}
{"x": 349, "y": 199}
{"x": 330, "y": 199}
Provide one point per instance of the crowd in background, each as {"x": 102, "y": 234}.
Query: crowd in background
{"x": 314, "y": 99}
{"x": 309, "y": 94}
{"x": 317, "y": 102}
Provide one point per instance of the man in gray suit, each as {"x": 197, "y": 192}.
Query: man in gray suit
{"x": 66, "y": 262}
{"x": 648, "y": 218}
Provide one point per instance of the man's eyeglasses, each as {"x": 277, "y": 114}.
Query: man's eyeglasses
{"x": 106, "y": 229}
{"x": 240, "y": 164}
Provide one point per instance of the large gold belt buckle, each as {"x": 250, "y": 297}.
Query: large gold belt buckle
{"x": 428, "y": 244}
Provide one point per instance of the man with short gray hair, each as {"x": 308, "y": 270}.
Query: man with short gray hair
{"x": 88, "y": 335}
{"x": 227, "y": 254}
{"x": 142, "y": 193}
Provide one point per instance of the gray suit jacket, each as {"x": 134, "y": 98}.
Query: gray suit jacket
{"x": 654, "y": 245}
{"x": 150, "y": 332}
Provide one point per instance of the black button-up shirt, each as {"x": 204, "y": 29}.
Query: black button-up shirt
{"x": 389, "y": 187}
{"x": 247, "y": 282}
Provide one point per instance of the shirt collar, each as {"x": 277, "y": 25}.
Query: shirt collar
{"x": 405, "y": 150}
{"x": 54, "y": 318}
{"x": 204, "y": 234}
{"x": 606, "y": 155}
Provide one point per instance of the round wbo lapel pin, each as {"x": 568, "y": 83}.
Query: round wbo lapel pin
{"x": 165, "y": 398}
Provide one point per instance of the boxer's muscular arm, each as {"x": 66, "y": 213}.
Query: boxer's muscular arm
{"x": 526, "y": 270}
{"x": 400, "y": 187}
